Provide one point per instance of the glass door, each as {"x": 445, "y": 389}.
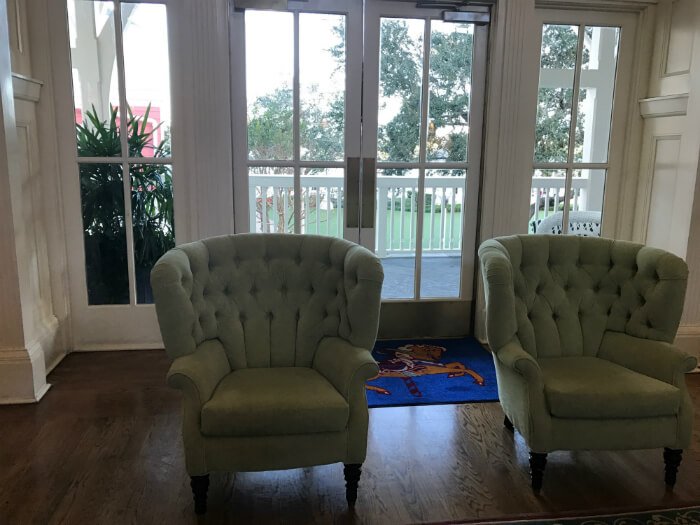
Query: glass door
{"x": 423, "y": 95}
{"x": 299, "y": 97}
{"x": 364, "y": 122}
{"x": 119, "y": 197}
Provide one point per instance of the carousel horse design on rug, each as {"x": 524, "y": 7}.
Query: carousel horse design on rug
{"x": 415, "y": 360}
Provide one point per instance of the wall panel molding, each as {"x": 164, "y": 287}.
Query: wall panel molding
{"x": 665, "y": 151}
{"x": 678, "y": 43}
{"x": 26, "y": 88}
{"x": 664, "y": 106}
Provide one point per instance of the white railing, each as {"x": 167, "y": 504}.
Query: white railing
{"x": 396, "y": 208}
{"x": 271, "y": 197}
{"x": 397, "y": 214}
{"x": 547, "y": 194}
{"x": 396, "y": 211}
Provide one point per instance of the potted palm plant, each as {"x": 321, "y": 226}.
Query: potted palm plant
{"x": 102, "y": 202}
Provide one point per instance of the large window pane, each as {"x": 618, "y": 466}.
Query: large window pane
{"x": 322, "y": 201}
{"x": 269, "y": 40}
{"x": 546, "y": 200}
{"x": 400, "y": 77}
{"x": 397, "y": 212}
{"x": 153, "y": 221}
{"x": 104, "y": 233}
{"x": 555, "y": 97}
{"x": 94, "y": 71}
{"x": 451, "y": 50}
{"x": 271, "y": 200}
{"x": 147, "y": 76}
{"x": 595, "y": 104}
{"x": 442, "y": 233}
{"x": 322, "y": 86}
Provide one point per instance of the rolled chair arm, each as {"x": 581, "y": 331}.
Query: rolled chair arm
{"x": 514, "y": 357}
{"x": 497, "y": 273}
{"x": 656, "y": 359}
{"x": 345, "y": 366}
{"x": 171, "y": 280}
{"x": 198, "y": 374}
{"x": 363, "y": 278}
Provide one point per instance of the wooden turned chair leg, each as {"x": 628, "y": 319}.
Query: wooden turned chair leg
{"x": 537, "y": 463}
{"x": 508, "y": 424}
{"x": 672, "y": 459}
{"x": 352, "y": 479}
{"x": 200, "y": 486}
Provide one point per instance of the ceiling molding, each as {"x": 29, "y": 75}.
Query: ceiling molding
{"x": 598, "y": 5}
{"x": 666, "y": 106}
{"x": 26, "y": 88}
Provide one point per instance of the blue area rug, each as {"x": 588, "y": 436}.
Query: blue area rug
{"x": 431, "y": 372}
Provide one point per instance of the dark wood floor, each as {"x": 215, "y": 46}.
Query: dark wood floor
{"x": 103, "y": 447}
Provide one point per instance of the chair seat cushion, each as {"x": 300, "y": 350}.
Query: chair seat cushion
{"x": 593, "y": 388}
{"x": 274, "y": 401}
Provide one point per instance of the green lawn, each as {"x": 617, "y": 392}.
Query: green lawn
{"x": 328, "y": 224}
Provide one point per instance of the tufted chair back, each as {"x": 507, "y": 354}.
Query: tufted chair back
{"x": 269, "y": 298}
{"x": 566, "y": 291}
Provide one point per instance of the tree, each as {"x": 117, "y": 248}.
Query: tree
{"x": 559, "y": 44}
{"x": 401, "y": 67}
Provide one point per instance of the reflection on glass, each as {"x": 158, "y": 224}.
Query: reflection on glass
{"x": 553, "y": 124}
{"x": 586, "y": 202}
{"x": 322, "y": 201}
{"x": 397, "y": 212}
{"x": 546, "y": 199}
{"x": 271, "y": 199}
{"x": 559, "y": 46}
{"x": 152, "y": 219}
{"x": 555, "y": 95}
{"x": 269, "y": 89}
{"x": 442, "y": 233}
{"x": 599, "y": 65}
{"x": 95, "y": 94}
{"x": 147, "y": 76}
{"x": 322, "y": 86}
{"x": 104, "y": 233}
{"x": 400, "y": 74}
{"x": 451, "y": 50}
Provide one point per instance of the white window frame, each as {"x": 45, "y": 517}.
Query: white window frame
{"x": 621, "y": 106}
{"x": 104, "y": 327}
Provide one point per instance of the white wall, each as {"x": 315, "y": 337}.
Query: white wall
{"x": 668, "y": 188}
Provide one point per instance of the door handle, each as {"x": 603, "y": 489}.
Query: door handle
{"x": 352, "y": 192}
{"x": 369, "y": 190}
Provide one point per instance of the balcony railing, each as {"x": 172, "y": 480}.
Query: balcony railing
{"x": 396, "y": 211}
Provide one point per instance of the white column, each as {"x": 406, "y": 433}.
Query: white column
{"x": 511, "y": 112}
{"x": 509, "y": 135}
{"x": 201, "y": 92}
{"x": 22, "y": 368}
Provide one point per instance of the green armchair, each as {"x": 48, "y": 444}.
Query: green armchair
{"x": 581, "y": 331}
{"x": 270, "y": 337}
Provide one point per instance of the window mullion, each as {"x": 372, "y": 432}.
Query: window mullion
{"x": 572, "y": 129}
{"x": 296, "y": 122}
{"x": 124, "y": 139}
{"x": 422, "y": 155}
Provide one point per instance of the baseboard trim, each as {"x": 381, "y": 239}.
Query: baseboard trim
{"x": 26, "y": 400}
{"x": 22, "y": 375}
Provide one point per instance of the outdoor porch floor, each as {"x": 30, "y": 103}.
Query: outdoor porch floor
{"x": 439, "y": 276}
